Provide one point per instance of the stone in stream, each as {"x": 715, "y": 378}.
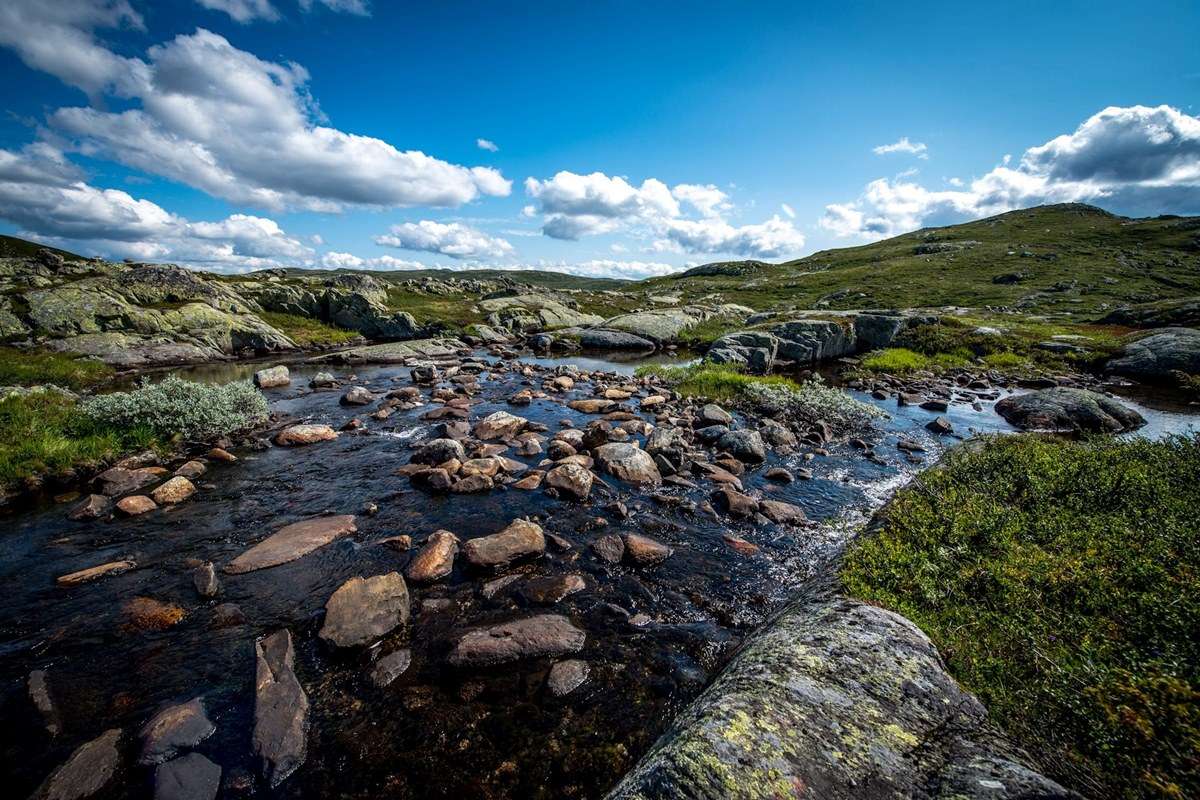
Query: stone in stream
{"x": 432, "y": 480}
{"x": 713, "y": 414}
{"x": 533, "y": 637}
{"x": 940, "y": 424}
{"x": 364, "y": 609}
{"x": 592, "y": 405}
{"x": 94, "y": 506}
{"x": 744, "y": 445}
{"x": 644, "y": 551}
{"x": 192, "y": 469}
{"x": 627, "y": 462}
{"x": 221, "y": 454}
{"x": 1063, "y": 409}
{"x": 135, "y": 505}
{"x": 781, "y": 513}
{"x": 357, "y": 396}
{"x": 148, "y": 614}
{"x": 174, "y": 491}
{"x": 734, "y": 503}
{"x": 531, "y": 481}
{"x": 1160, "y": 356}
{"x": 779, "y": 475}
{"x": 92, "y": 573}
{"x": 292, "y": 542}
{"x": 204, "y": 578}
{"x": 571, "y": 480}
{"x": 175, "y": 728}
{"x": 435, "y": 559}
{"x": 280, "y": 737}
{"x": 500, "y": 425}
{"x": 271, "y": 377}
{"x": 191, "y": 777}
{"x": 552, "y": 589}
{"x": 567, "y": 676}
{"x": 323, "y": 380}
{"x": 439, "y": 451}
{"x": 520, "y": 539}
{"x": 390, "y": 667}
{"x": 472, "y": 484}
{"x": 86, "y": 772}
{"x": 118, "y": 480}
{"x": 39, "y": 695}
{"x": 609, "y": 548}
{"x": 295, "y": 435}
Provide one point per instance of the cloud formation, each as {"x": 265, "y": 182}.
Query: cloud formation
{"x": 1138, "y": 159}
{"x": 452, "y": 239}
{"x": 243, "y": 11}
{"x": 487, "y": 144}
{"x": 903, "y": 145}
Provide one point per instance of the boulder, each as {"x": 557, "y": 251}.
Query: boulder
{"x": 175, "y": 728}
{"x": 292, "y": 542}
{"x": 567, "y": 676}
{"x": 176, "y": 490}
{"x": 191, "y": 777}
{"x": 94, "y": 506}
{"x": 644, "y": 551}
{"x": 609, "y": 548}
{"x": 734, "y": 502}
{"x": 500, "y": 425}
{"x": 439, "y": 451}
{"x": 571, "y": 480}
{"x": 435, "y": 559}
{"x": 745, "y": 445}
{"x": 280, "y": 737}
{"x": 294, "y": 435}
{"x": 271, "y": 377}
{"x": 1160, "y": 356}
{"x": 627, "y": 462}
{"x": 808, "y": 341}
{"x": 780, "y": 512}
{"x": 600, "y": 339}
{"x": 1065, "y": 409}
{"x": 357, "y": 396}
{"x": 86, "y": 772}
{"x": 519, "y": 540}
{"x": 543, "y": 636}
{"x": 713, "y": 414}
{"x": 364, "y": 609}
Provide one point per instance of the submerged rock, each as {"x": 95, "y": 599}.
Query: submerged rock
{"x": 292, "y": 542}
{"x": 92, "y": 573}
{"x": 192, "y": 777}
{"x": 1068, "y": 410}
{"x": 567, "y": 676}
{"x": 364, "y": 609}
{"x": 533, "y": 637}
{"x": 174, "y": 728}
{"x": 390, "y": 667}
{"x": 280, "y": 736}
{"x": 88, "y": 771}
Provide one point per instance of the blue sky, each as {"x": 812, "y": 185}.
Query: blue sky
{"x": 630, "y": 138}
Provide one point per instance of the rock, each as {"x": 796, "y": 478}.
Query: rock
{"x": 567, "y": 676}
{"x": 592, "y": 405}
{"x": 570, "y": 479}
{"x": 940, "y": 424}
{"x": 600, "y": 339}
{"x": 280, "y": 738}
{"x": 781, "y": 513}
{"x": 439, "y": 451}
{"x": 292, "y": 542}
{"x": 734, "y": 503}
{"x": 435, "y": 559}
{"x": 390, "y": 667}
{"x": 745, "y": 445}
{"x": 357, "y": 396}
{"x": 364, "y": 609}
{"x": 176, "y": 490}
{"x": 294, "y": 435}
{"x": 192, "y": 469}
{"x": 135, "y": 505}
{"x": 86, "y": 772}
{"x": 39, "y": 695}
{"x": 552, "y": 589}
{"x": 148, "y": 614}
{"x": 520, "y": 539}
{"x": 779, "y": 475}
{"x": 644, "y": 551}
{"x": 175, "y": 728}
{"x": 713, "y": 414}
{"x": 1159, "y": 356}
{"x": 271, "y": 377}
{"x": 92, "y": 573}
{"x": 192, "y": 777}
{"x": 863, "y": 698}
{"x": 627, "y": 462}
{"x": 940, "y": 406}
{"x": 472, "y": 484}
{"x": 500, "y": 425}
{"x": 227, "y": 615}
{"x": 323, "y": 380}
{"x": 204, "y": 578}
{"x": 807, "y": 341}
{"x": 609, "y": 547}
{"x": 94, "y": 506}
{"x": 543, "y": 636}
{"x": 1064, "y": 409}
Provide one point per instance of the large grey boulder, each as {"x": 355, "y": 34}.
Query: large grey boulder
{"x": 1158, "y": 356}
{"x": 839, "y": 700}
{"x": 1063, "y": 409}
{"x": 808, "y": 341}
{"x": 628, "y": 462}
{"x": 280, "y": 737}
{"x": 602, "y": 339}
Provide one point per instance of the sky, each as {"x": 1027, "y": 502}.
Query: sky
{"x": 615, "y": 139}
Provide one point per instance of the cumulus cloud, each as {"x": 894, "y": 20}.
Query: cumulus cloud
{"x": 243, "y": 11}
{"x": 1137, "y": 159}
{"x": 358, "y": 7}
{"x": 222, "y": 120}
{"x": 487, "y": 144}
{"x": 338, "y": 260}
{"x": 574, "y": 206}
{"x": 452, "y": 239}
{"x": 903, "y": 145}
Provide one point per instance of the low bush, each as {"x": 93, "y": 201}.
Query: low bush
{"x": 175, "y": 406}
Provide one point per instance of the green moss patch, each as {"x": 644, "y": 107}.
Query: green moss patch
{"x": 307, "y": 332}
{"x": 31, "y": 367}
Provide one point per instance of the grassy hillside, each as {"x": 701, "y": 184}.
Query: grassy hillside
{"x": 12, "y": 247}
{"x": 548, "y": 280}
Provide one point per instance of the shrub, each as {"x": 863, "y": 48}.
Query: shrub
{"x": 175, "y": 406}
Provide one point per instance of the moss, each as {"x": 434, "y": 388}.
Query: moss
{"x": 31, "y": 367}
{"x": 307, "y": 332}
{"x": 1061, "y": 582}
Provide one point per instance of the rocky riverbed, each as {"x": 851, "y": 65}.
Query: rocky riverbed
{"x": 452, "y": 575}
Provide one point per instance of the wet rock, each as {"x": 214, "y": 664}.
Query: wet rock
{"x": 779, "y": 475}
{"x": 530, "y": 481}
{"x": 570, "y": 479}
{"x": 39, "y": 695}
{"x": 176, "y": 490}
{"x": 552, "y": 589}
{"x": 173, "y": 729}
{"x": 567, "y": 676}
{"x": 500, "y": 425}
{"x": 781, "y": 513}
{"x": 522, "y": 398}
{"x": 519, "y": 540}
{"x": 364, "y": 609}
{"x": 204, "y": 578}
{"x": 135, "y": 505}
{"x": 1065, "y": 410}
{"x": 192, "y": 777}
{"x": 295, "y": 435}
{"x": 271, "y": 377}
{"x": 389, "y": 667}
{"x": 94, "y": 506}
{"x": 148, "y": 614}
{"x": 192, "y": 469}
{"x": 734, "y": 503}
{"x": 399, "y": 543}
{"x": 713, "y": 414}
{"x": 592, "y": 405}
{"x": 435, "y": 559}
{"x": 292, "y": 542}
{"x": 280, "y": 709}
{"x": 92, "y": 573}
{"x": 88, "y": 770}
{"x": 473, "y": 484}
{"x": 323, "y": 380}
{"x": 480, "y": 466}
{"x": 357, "y": 396}
{"x": 940, "y": 406}
{"x": 227, "y": 615}
{"x": 439, "y": 451}
{"x": 432, "y": 480}
{"x": 542, "y": 636}
{"x": 424, "y": 374}
{"x": 221, "y": 454}
{"x": 940, "y": 425}
{"x": 627, "y": 462}
{"x": 744, "y": 445}
{"x": 644, "y": 551}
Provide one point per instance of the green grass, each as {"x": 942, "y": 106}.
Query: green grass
{"x": 307, "y": 332}
{"x": 708, "y": 331}
{"x": 717, "y": 382}
{"x": 47, "y": 434}
{"x": 454, "y": 312}
{"x": 30, "y": 367}
{"x": 1061, "y": 583}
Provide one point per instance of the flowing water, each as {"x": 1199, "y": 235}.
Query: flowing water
{"x": 655, "y": 636}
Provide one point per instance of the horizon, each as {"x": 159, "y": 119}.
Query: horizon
{"x": 227, "y": 135}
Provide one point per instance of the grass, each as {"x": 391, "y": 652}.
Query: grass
{"x": 718, "y": 382}
{"x": 708, "y": 331}
{"x": 30, "y": 367}
{"x": 307, "y": 332}
{"x": 1061, "y": 583}
{"x": 454, "y": 312}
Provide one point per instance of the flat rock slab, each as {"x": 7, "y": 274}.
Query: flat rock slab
{"x": 518, "y": 540}
{"x": 280, "y": 736}
{"x": 175, "y": 728}
{"x": 363, "y": 609}
{"x": 533, "y": 637}
{"x": 396, "y": 352}
{"x": 567, "y": 676}
{"x": 89, "y": 769}
{"x": 92, "y": 573}
{"x": 192, "y": 777}
{"x": 292, "y": 542}
{"x": 390, "y": 667}
{"x": 1066, "y": 410}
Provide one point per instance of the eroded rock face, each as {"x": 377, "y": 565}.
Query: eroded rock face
{"x": 1068, "y": 410}
{"x": 364, "y": 609}
{"x": 533, "y": 637}
{"x": 839, "y": 700}
{"x": 280, "y": 736}
{"x": 292, "y": 542}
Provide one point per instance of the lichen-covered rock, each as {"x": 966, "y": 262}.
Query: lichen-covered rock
{"x": 1065, "y": 409}
{"x": 1159, "y": 356}
{"x": 839, "y": 700}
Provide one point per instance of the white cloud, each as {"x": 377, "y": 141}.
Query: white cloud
{"x": 607, "y": 268}
{"x": 336, "y": 260}
{"x": 358, "y": 7}
{"x": 487, "y": 144}
{"x": 708, "y": 200}
{"x": 243, "y": 11}
{"x": 903, "y": 145}
{"x": 791, "y": 214}
{"x": 1139, "y": 160}
{"x": 452, "y": 239}
{"x": 775, "y": 238}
